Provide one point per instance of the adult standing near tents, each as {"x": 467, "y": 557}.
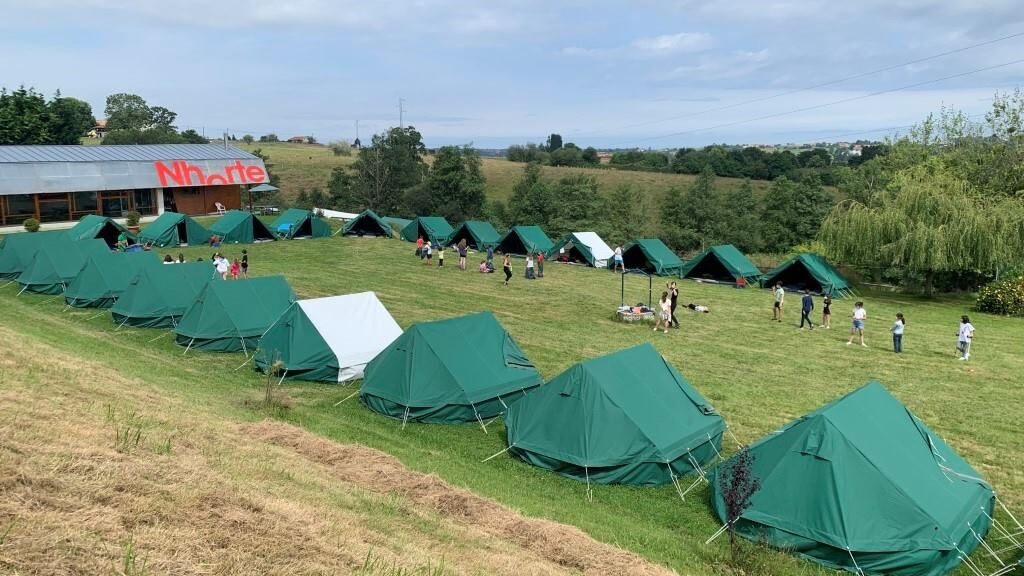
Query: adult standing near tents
{"x": 806, "y": 307}
{"x": 419, "y": 248}
{"x": 245, "y": 264}
{"x": 618, "y": 259}
{"x": 490, "y": 256}
{"x": 859, "y": 316}
{"x": 826, "y": 313}
{"x": 462, "y": 254}
{"x": 540, "y": 264}
{"x": 673, "y": 292}
{"x": 780, "y": 296}
{"x": 506, "y": 267}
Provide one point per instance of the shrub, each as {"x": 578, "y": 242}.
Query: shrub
{"x": 1004, "y": 297}
{"x": 31, "y": 225}
{"x": 132, "y": 218}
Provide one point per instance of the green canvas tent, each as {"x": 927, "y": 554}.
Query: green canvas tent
{"x": 19, "y": 249}
{"x": 624, "y": 418}
{"x": 296, "y": 223}
{"x": 55, "y": 265}
{"x": 433, "y": 228}
{"x": 810, "y": 271}
{"x": 328, "y": 339}
{"x": 652, "y": 256}
{"x": 230, "y": 316}
{"x": 449, "y": 371}
{"x": 238, "y": 227}
{"x": 158, "y": 295}
{"x": 521, "y": 240}
{"x": 723, "y": 264}
{"x": 581, "y": 248}
{"x": 399, "y": 223}
{"x": 105, "y": 276}
{"x": 92, "y": 227}
{"x": 477, "y": 234}
{"x": 863, "y": 485}
{"x": 173, "y": 229}
{"x": 367, "y": 223}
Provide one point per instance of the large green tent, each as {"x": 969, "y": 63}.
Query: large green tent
{"x": 157, "y": 296}
{"x": 105, "y": 276}
{"x": 367, "y": 223}
{"x": 449, "y": 371}
{"x": 810, "y": 271}
{"x": 652, "y": 256}
{"x": 92, "y": 227}
{"x": 395, "y": 222}
{"x": 55, "y": 265}
{"x": 328, "y": 339}
{"x": 863, "y": 485}
{"x": 239, "y": 227}
{"x": 433, "y": 228}
{"x": 624, "y": 418}
{"x": 723, "y": 263}
{"x": 19, "y": 249}
{"x": 582, "y": 248}
{"x": 477, "y": 234}
{"x": 173, "y": 229}
{"x": 297, "y": 223}
{"x": 231, "y": 315}
{"x": 521, "y": 240}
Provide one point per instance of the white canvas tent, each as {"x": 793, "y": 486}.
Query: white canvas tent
{"x": 334, "y": 214}
{"x": 588, "y": 246}
{"x": 328, "y": 339}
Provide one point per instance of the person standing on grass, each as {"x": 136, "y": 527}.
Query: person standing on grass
{"x": 236, "y": 269}
{"x": 245, "y": 264}
{"x": 529, "y": 266}
{"x": 506, "y": 266}
{"x": 897, "y": 333}
{"x": 540, "y": 264}
{"x": 440, "y": 255}
{"x": 462, "y": 254}
{"x": 965, "y": 337}
{"x": 826, "y": 313}
{"x": 490, "y": 256}
{"x": 222, "y": 266}
{"x": 673, "y": 293}
{"x": 419, "y": 248}
{"x": 618, "y": 260}
{"x": 664, "y": 312}
{"x": 859, "y": 316}
{"x": 779, "y": 296}
{"x": 806, "y": 307}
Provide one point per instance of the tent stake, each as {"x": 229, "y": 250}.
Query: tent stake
{"x": 189, "y": 346}
{"x": 492, "y": 456}
{"x": 717, "y": 534}
{"x": 340, "y": 402}
{"x": 96, "y": 315}
{"x": 159, "y": 337}
{"x": 243, "y": 363}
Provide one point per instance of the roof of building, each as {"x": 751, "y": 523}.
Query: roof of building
{"x": 121, "y": 153}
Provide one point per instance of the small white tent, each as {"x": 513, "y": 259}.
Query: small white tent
{"x": 584, "y": 247}
{"x": 328, "y": 339}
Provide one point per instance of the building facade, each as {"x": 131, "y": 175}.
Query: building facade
{"x": 63, "y": 183}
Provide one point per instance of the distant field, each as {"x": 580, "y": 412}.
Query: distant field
{"x": 303, "y": 167}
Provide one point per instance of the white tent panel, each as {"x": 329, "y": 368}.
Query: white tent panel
{"x": 357, "y": 327}
{"x": 602, "y": 253}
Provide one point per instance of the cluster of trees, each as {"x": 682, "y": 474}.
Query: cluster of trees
{"x": 553, "y": 153}
{"x": 130, "y": 120}
{"x": 27, "y": 117}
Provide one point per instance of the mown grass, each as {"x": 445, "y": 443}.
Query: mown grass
{"x": 759, "y": 374}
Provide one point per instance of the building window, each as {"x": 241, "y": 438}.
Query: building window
{"x": 84, "y": 203}
{"x": 54, "y": 207}
{"x": 18, "y": 208}
{"x": 144, "y": 203}
{"x": 114, "y": 204}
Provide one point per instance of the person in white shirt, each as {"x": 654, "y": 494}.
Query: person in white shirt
{"x": 780, "y": 297}
{"x": 664, "y": 312}
{"x": 965, "y": 337}
{"x": 222, "y": 266}
{"x": 618, "y": 260}
{"x": 529, "y": 267}
{"x": 859, "y": 316}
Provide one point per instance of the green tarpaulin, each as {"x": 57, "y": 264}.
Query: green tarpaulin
{"x": 367, "y": 224}
{"x": 231, "y": 315}
{"x": 459, "y": 370}
{"x": 238, "y": 227}
{"x": 55, "y": 265}
{"x": 521, "y": 240}
{"x": 296, "y": 223}
{"x": 810, "y": 271}
{"x": 157, "y": 296}
{"x": 652, "y": 256}
{"x": 173, "y": 229}
{"x": 19, "y": 249}
{"x": 723, "y": 263}
{"x": 863, "y": 481}
{"x": 105, "y": 276}
{"x": 624, "y": 418}
{"x": 433, "y": 228}
{"x": 92, "y": 227}
{"x": 477, "y": 234}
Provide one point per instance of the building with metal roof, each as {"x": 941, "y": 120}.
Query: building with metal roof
{"x": 62, "y": 183}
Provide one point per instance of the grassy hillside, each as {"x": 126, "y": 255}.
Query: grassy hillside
{"x": 304, "y": 166}
{"x": 758, "y": 373}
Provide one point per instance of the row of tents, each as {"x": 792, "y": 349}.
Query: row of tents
{"x": 724, "y": 263}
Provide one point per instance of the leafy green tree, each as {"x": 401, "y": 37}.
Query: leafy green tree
{"x": 192, "y": 137}
{"x": 528, "y": 153}
{"x": 694, "y": 214}
{"x": 793, "y": 212}
{"x": 568, "y": 155}
{"x": 740, "y": 224}
{"x": 384, "y": 174}
{"x": 577, "y": 204}
{"x": 248, "y": 139}
{"x": 269, "y": 138}
{"x": 554, "y": 142}
{"x": 162, "y": 118}
{"x": 675, "y": 222}
{"x": 532, "y": 200}
{"x": 24, "y": 117}
{"x": 70, "y": 119}
{"x": 151, "y": 136}
{"x": 455, "y": 185}
{"x": 128, "y": 112}
{"x": 590, "y": 156}
{"x": 625, "y": 216}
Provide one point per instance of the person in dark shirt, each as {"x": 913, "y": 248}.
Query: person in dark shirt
{"x": 673, "y": 292}
{"x": 806, "y": 307}
{"x": 245, "y": 264}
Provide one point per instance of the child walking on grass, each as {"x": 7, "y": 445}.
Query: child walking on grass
{"x": 859, "y": 316}
{"x": 964, "y": 338}
{"x": 897, "y": 333}
{"x": 664, "y": 313}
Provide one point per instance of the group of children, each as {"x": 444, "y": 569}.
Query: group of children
{"x": 859, "y": 317}
{"x": 426, "y": 249}
{"x": 231, "y": 270}
{"x": 667, "y": 308}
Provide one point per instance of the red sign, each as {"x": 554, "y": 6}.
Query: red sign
{"x": 182, "y": 173}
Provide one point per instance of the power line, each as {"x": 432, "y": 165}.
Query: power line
{"x": 806, "y": 88}
{"x": 833, "y": 103}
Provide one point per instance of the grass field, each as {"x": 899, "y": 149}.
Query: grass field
{"x": 304, "y": 167}
{"x": 758, "y": 373}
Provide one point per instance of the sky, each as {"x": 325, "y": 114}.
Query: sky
{"x": 642, "y": 73}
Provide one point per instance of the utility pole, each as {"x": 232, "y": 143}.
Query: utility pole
{"x": 401, "y": 112}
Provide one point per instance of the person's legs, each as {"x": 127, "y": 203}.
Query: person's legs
{"x": 674, "y": 320}
{"x": 861, "y": 331}
{"x": 775, "y": 311}
{"x": 967, "y": 350}
{"x": 540, "y": 268}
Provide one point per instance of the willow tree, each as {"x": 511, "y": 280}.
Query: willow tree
{"x": 928, "y": 220}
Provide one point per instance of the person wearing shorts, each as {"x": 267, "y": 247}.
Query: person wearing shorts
{"x": 779, "y": 301}
{"x": 245, "y": 264}
{"x": 826, "y": 313}
{"x": 618, "y": 260}
{"x": 664, "y": 312}
{"x": 506, "y": 267}
{"x": 859, "y": 316}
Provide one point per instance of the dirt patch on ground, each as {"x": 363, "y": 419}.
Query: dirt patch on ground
{"x": 376, "y": 471}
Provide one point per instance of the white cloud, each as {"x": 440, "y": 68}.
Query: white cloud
{"x": 666, "y": 44}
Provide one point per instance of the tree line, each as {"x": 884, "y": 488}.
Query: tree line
{"x": 553, "y": 153}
